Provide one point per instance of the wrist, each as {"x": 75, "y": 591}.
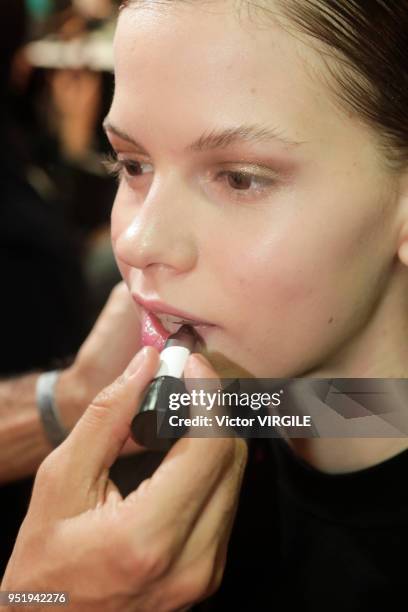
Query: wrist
{"x": 70, "y": 396}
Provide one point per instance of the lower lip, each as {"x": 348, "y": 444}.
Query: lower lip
{"x": 154, "y": 334}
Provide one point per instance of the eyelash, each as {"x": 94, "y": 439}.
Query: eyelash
{"x": 120, "y": 169}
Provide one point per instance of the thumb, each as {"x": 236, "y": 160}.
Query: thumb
{"x": 97, "y": 439}
{"x": 201, "y": 377}
{"x": 198, "y": 366}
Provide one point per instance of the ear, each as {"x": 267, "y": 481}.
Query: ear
{"x": 403, "y": 252}
{"x": 403, "y": 219}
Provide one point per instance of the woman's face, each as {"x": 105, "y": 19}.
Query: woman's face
{"x": 281, "y": 232}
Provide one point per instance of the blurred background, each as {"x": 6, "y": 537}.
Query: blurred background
{"x": 56, "y": 85}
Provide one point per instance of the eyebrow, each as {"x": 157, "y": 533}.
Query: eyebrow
{"x": 216, "y": 138}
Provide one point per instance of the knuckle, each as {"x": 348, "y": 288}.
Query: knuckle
{"x": 198, "y": 583}
{"x": 102, "y": 404}
{"x": 235, "y": 454}
{"x": 216, "y": 580}
{"x": 48, "y": 470}
{"x": 241, "y": 452}
{"x": 229, "y": 451}
{"x": 146, "y": 563}
{"x": 105, "y": 398}
{"x": 94, "y": 416}
{"x": 96, "y": 412}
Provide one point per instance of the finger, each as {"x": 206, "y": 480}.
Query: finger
{"x": 120, "y": 314}
{"x": 187, "y": 476}
{"x": 211, "y": 402}
{"x": 118, "y": 332}
{"x": 115, "y": 337}
{"x": 205, "y": 550}
{"x": 214, "y": 522}
{"x": 198, "y": 366}
{"x": 101, "y": 432}
{"x": 200, "y": 376}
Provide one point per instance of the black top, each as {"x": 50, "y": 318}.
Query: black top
{"x": 310, "y": 541}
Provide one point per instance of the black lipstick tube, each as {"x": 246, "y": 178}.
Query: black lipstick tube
{"x": 168, "y": 379}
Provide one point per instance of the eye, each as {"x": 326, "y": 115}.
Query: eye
{"x": 238, "y": 180}
{"x": 246, "y": 184}
{"x": 126, "y": 167}
{"x": 132, "y": 167}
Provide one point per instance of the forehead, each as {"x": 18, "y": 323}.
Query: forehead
{"x": 203, "y": 63}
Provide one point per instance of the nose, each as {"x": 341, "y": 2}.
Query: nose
{"x": 157, "y": 233}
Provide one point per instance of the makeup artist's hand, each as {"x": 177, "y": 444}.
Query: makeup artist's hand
{"x": 114, "y": 339}
{"x": 162, "y": 548}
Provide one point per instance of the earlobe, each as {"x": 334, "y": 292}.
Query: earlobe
{"x": 403, "y": 209}
{"x": 403, "y": 251}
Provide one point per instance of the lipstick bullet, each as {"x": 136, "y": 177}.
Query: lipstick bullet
{"x": 168, "y": 379}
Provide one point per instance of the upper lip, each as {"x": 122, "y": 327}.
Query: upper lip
{"x": 160, "y": 308}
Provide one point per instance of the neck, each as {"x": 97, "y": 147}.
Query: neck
{"x": 378, "y": 350}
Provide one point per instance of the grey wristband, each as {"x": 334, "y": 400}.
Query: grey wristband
{"x": 48, "y": 409}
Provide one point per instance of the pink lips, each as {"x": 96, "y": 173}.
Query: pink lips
{"x": 153, "y": 332}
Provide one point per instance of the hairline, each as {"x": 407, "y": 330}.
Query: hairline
{"x": 334, "y": 64}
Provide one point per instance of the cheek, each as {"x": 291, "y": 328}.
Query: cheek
{"x": 300, "y": 289}
{"x": 276, "y": 268}
{"x": 275, "y": 278}
{"x": 119, "y": 224}
{"x": 308, "y": 257}
{"x": 118, "y": 219}
{"x": 273, "y": 294}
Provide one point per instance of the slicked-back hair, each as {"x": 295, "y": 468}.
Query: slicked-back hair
{"x": 365, "y": 46}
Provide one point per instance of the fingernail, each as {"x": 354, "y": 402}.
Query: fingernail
{"x": 136, "y": 362}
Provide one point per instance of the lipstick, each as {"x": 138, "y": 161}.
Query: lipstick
{"x": 168, "y": 379}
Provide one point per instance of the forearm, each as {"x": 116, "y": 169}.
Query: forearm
{"x": 102, "y": 357}
{"x": 23, "y": 443}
